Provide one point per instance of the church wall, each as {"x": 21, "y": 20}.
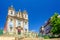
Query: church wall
{"x": 13, "y": 20}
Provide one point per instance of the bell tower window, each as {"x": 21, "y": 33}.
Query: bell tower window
{"x": 11, "y": 12}
{"x": 25, "y": 15}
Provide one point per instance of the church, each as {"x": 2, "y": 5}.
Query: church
{"x": 16, "y": 22}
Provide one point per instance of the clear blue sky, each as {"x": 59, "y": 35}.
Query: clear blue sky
{"x": 38, "y": 10}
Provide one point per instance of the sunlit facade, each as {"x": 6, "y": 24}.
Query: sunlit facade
{"x": 16, "y": 21}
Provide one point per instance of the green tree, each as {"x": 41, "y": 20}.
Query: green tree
{"x": 1, "y": 32}
{"x": 55, "y": 24}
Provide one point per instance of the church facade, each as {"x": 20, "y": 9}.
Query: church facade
{"x": 16, "y": 22}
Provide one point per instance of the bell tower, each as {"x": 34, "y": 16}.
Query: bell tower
{"x": 11, "y": 11}
{"x": 25, "y": 16}
{"x": 9, "y": 26}
{"x": 10, "y": 19}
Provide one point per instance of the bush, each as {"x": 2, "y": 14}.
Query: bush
{"x": 55, "y": 36}
{"x": 46, "y": 37}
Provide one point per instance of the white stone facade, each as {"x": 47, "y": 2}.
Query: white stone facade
{"x": 16, "y": 19}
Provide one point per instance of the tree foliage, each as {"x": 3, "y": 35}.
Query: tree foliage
{"x": 1, "y": 32}
{"x": 55, "y": 24}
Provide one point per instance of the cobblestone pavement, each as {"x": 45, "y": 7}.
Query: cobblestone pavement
{"x": 15, "y": 38}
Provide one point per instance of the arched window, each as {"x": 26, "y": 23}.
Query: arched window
{"x": 25, "y": 29}
{"x": 11, "y": 27}
{"x": 25, "y": 23}
{"x": 11, "y": 20}
{"x": 19, "y": 22}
